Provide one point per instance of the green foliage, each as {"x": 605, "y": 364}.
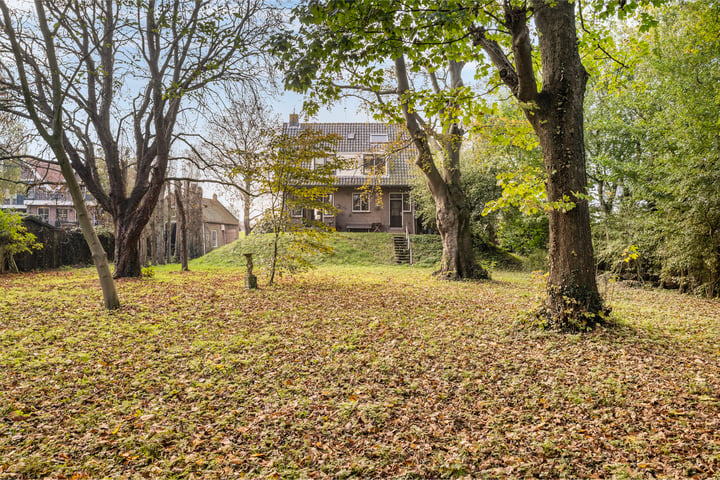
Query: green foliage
{"x": 523, "y": 234}
{"x": 653, "y": 146}
{"x": 479, "y": 186}
{"x": 11, "y": 144}
{"x": 524, "y": 189}
{"x": 148, "y": 272}
{"x": 14, "y": 239}
{"x": 295, "y": 173}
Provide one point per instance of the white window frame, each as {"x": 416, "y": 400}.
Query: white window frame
{"x": 360, "y": 195}
{"x": 407, "y": 206}
{"x": 63, "y": 218}
{"x": 379, "y": 138}
{"x": 326, "y": 213}
{"x": 213, "y": 238}
{"x": 296, "y": 212}
{"x": 44, "y": 214}
{"x": 319, "y": 162}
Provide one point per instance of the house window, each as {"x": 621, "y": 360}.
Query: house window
{"x": 379, "y": 138}
{"x": 213, "y": 238}
{"x": 360, "y": 202}
{"x": 325, "y": 212}
{"x": 373, "y": 164}
{"x": 44, "y": 214}
{"x": 296, "y": 212}
{"x": 63, "y": 215}
{"x": 407, "y": 206}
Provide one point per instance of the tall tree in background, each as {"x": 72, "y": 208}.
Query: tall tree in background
{"x": 654, "y": 140}
{"x": 11, "y": 154}
{"x": 48, "y": 119}
{"x": 365, "y": 49}
{"x": 127, "y": 70}
{"x": 237, "y": 140}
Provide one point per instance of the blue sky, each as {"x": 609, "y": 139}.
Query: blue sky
{"x": 344, "y": 111}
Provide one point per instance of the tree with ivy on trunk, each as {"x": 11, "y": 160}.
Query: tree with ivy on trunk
{"x": 555, "y": 111}
{"x": 130, "y": 72}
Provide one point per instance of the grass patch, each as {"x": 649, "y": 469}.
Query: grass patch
{"x": 352, "y": 372}
{"x": 362, "y": 249}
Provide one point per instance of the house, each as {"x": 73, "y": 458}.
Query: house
{"x": 47, "y": 196}
{"x": 209, "y": 224}
{"x": 219, "y": 226}
{"x": 373, "y": 193}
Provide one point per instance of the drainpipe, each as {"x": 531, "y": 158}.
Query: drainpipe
{"x": 203, "y": 235}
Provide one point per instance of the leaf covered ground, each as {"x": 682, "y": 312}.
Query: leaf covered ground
{"x": 348, "y": 373}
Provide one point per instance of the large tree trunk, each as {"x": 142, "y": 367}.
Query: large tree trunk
{"x": 130, "y": 223}
{"x": 451, "y": 213}
{"x": 556, "y": 114}
{"x": 572, "y": 301}
{"x": 453, "y": 222}
{"x": 127, "y": 249}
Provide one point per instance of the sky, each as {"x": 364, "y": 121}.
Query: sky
{"x": 344, "y": 111}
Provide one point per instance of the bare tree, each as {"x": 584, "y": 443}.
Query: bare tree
{"x": 238, "y": 135}
{"x": 128, "y": 70}
{"x": 48, "y": 119}
{"x": 182, "y": 232}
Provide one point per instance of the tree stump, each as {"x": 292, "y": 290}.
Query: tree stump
{"x": 250, "y": 279}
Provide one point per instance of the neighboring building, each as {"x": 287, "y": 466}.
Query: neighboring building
{"x": 373, "y": 194}
{"x": 219, "y": 226}
{"x": 47, "y": 196}
{"x": 209, "y": 224}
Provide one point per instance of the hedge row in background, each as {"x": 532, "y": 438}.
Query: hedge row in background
{"x": 60, "y": 247}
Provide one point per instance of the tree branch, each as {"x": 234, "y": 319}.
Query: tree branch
{"x": 506, "y": 69}
{"x": 516, "y": 19}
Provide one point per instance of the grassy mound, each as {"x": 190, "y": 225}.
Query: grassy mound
{"x": 361, "y": 249}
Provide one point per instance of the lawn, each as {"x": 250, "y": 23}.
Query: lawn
{"x": 349, "y": 372}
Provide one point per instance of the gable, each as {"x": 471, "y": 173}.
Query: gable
{"x": 358, "y": 139}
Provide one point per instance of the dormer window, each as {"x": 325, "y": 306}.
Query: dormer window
{"x": 373, "y": 164}
{"x": 379, "y": 138}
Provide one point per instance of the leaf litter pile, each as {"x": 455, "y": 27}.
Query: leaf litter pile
{"x": 355, "y": 373}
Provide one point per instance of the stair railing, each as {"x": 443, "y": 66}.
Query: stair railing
{"x": 409, "y": 245}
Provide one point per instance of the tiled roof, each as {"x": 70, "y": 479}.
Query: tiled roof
{"x": 215, "y": 212}
{"x": 44, "y": 172}
{"x": 358, "y": 138}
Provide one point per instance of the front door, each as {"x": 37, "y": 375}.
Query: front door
{"x": 396, "y": 210}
